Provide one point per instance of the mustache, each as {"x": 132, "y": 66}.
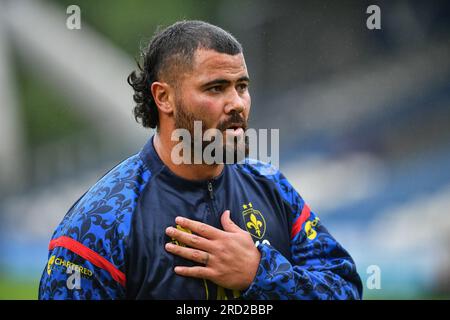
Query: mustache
{"x": 234, "y": 119}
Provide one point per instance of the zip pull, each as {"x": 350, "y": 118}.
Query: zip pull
{"x": 210, "y": 189}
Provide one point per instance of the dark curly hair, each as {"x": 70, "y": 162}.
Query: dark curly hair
{"x": 168, "y": 54}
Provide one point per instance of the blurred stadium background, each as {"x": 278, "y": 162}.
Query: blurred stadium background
{"x": 364, "y": 119}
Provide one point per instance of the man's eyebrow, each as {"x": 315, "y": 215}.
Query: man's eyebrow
{"x": 225, "y": 81}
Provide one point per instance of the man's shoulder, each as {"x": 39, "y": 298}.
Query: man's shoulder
{"x": 270, "y": 174}
{"x": 258, "y": 168}
{"x": 122, "y": 183}
{"x": 126, "y": 179}
{"x": 103, "y": 214}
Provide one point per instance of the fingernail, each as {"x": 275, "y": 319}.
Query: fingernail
{"x": 169, "y": 230}
{"x": 169, "y": 245}
{"x": 179, "y": 220}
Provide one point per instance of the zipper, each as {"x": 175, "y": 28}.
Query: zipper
{"x": 210, "y": 190}
{"x": 210, "y": 201}
{"x": 211, "y": 198}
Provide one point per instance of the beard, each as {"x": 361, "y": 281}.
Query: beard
{"x": 233, "y": 149}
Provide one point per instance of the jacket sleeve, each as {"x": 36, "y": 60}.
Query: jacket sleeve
{"x": 87, "y": 253}
{"x": 319, "y": 267}
{"x": 75, "y": 272}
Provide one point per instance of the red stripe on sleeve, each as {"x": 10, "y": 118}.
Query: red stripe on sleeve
{"x": 306, "y": 212}
{"x": 90, "y": 255}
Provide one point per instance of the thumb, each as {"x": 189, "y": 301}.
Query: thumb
{"x": 227, "y": 223}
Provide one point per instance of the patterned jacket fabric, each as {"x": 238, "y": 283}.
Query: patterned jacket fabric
{"x": 110, "y": 244}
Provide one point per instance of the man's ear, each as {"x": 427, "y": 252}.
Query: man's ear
{"x": 163, "y": 95}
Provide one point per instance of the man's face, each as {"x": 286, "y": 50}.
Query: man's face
{"x": 215, "y": 92}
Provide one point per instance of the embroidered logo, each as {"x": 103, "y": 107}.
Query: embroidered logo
{"x": 310, "y": 231}
{"x": 254, "y": 221}
{"x": 50, "y": 263}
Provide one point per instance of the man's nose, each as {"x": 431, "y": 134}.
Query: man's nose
{"x": 234, "y": 103}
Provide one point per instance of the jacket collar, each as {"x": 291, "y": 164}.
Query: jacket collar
{"x": 156, "y": 166}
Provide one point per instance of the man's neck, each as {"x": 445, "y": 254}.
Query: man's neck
{"x": 164, "y": 145}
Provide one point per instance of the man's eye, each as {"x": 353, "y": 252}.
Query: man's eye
{"x": 215, "y": 89}
{"x": 242, "y": 87}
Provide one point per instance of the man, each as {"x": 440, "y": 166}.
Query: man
{"x": 153, "y": 229}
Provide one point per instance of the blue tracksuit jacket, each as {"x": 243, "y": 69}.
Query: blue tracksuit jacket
{"x": 110, "y": 244}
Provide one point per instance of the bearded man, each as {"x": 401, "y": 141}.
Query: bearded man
{"x": 155, "y": 228}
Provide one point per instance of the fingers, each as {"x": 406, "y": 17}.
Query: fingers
{"x": 228, "y": 224}
{"x": 199, "y": 228}
{"x": 195, "y": 272}
{"x": 189, "y": 239}
{"x": 188, "y": 253}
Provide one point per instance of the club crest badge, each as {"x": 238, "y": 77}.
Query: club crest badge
{"x": 254, "y": 221}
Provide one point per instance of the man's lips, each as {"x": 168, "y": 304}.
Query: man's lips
{"x": 235, "y": 126}
{"x": 235, "y": 130}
